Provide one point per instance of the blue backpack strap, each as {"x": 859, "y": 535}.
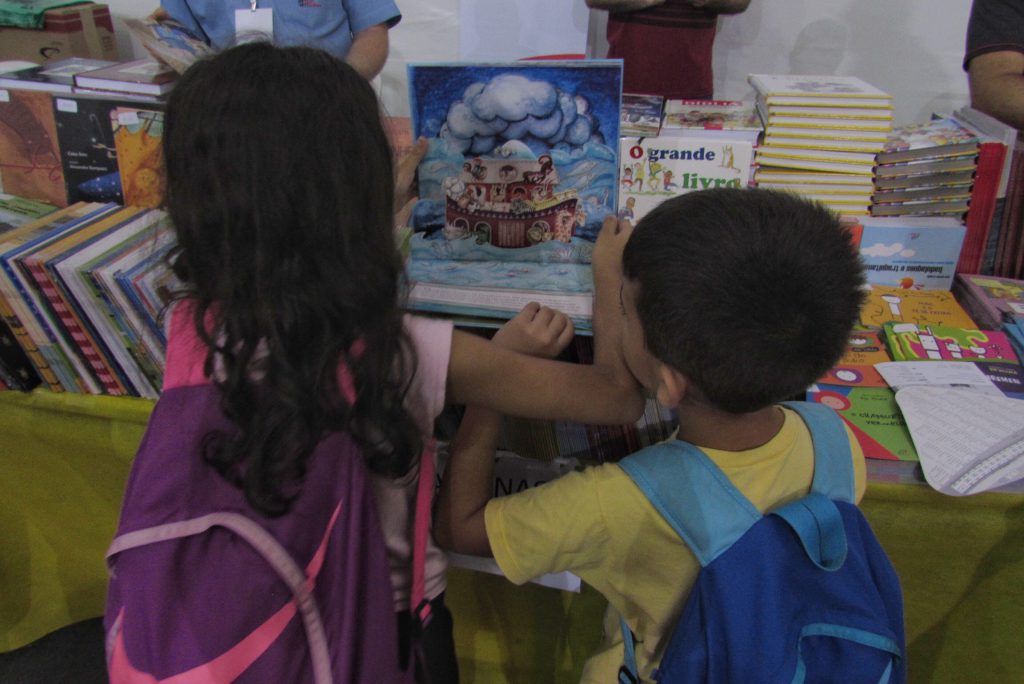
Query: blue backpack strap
{"x": 697, "y": 500}
{"x": 833, "y": 461}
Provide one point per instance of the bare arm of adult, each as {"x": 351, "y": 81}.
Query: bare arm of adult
{"x": 369, "y": 51}
{"x": 467, "y": 485}
{"x": 996, "y": 81}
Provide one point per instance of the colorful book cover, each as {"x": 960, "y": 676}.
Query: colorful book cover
{"x": 169, "y": 42}
{"x": 940, "y": 137}
{"x": 922, "y": 307}
{"x": 30, "y": 162}
{"x": 856, "y": 368}
{"x": 87, "y": 152}
{"x": 992, "y": 294}
{"x": 911, "y": 252}
{"x": 138, "y": 136}
{"x": 17, "y": 211}
{"x": 55, "y": 76}
{"x": 654, "y": 169}
{"x": 522, "y": 158}
{"x": 910, "y": 342}
{"x": 711, "y": 115}
{"x": 873, "y": 416}
{"x": 641, "y": 115}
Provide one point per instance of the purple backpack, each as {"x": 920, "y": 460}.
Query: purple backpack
{"x": 203, "y": 589}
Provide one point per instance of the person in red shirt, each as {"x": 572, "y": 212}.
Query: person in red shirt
{"x": 665, "y": 45}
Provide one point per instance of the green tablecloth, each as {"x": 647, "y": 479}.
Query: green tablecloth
{"x": 64, "y": 459}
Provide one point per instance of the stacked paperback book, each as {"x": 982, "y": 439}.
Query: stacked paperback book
{"x": 821, "y": 137}
{"x": 82, "y": 290}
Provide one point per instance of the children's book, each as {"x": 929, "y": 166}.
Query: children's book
{"x": 169, "y": 42}
{"x": 910, "y": 342}
{"x": 926, "y": 180}
{"x": 810, "y": 86}
{"x": 989, "y": 299}
{"x": 941, "y": 137}
{"x": 923, "y": 307}
{"x": 17, "y": 211}
{"x": 30, "y": 161}
{"x": 919, "y": 194}
{"x": 880, "y": 113}
{"x": 138, "y": 136}
{"x": 911, "y": 252}
{"x": 641, "y": 115}
{"x": 522, "y": 158}
{"x": 807, "y": 143}
{"x": 142, "y": 76}
{"x": 926, "y": 166}
{"x": 727, "y": 119}
{"x": 873, "y": 417}
{"x": 856, "y": 368}
{"x": 946, "y": 207}
{"x": 654, "y": 169}
{"x": 794, "y": 176}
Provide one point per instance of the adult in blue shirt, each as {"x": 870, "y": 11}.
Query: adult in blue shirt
{"x": 354, "y": 30}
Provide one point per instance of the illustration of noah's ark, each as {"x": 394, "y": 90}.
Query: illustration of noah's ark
{"x": 510, "y": 203}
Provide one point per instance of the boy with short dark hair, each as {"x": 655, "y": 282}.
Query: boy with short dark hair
{"x": 733, "y": 300}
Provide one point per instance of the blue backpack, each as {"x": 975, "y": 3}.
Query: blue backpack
{"x": 803, "y": 593}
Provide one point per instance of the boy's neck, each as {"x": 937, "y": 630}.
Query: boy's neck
{"x": 711, "y": 428}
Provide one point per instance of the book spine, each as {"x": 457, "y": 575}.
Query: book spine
{"x": 76, "y": 342}
{"x": 988, "y": 171}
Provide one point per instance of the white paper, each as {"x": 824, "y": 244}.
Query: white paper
{"x": 900, "y": 374}
{"x": 968, "y": 441}
{"x": 565, "y": 581}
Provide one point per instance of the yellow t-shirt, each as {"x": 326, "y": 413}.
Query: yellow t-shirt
{"x": 599, "y": 525}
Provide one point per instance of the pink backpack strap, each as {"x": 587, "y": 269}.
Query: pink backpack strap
{"x": 418, "y": 602}
{"x": 266, "y": 546}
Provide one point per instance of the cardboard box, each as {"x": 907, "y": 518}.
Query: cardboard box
{"x": 83, "y": 30}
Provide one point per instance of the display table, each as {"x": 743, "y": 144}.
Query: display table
{"x": 64, "y": 459}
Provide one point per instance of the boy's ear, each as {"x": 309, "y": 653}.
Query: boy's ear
{"x": 671, "y": 386}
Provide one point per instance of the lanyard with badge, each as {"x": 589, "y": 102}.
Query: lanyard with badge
{"x": 253, "y": 23}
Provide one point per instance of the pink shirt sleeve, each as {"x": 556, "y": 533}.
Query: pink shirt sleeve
{"x": 432, "y": 342}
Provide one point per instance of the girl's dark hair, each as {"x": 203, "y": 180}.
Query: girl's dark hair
{"x": 751, "y": 294}
{"x": 280, "y": 189}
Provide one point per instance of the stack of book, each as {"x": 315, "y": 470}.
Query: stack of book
{"x": 926, "y": 169}
{"x": 146, "y": 79}
{"x": 82, "y": 290}
{"x": 825, "y": 132}
{"x": 995, "y": 303}
{"x": 57, "y": 76}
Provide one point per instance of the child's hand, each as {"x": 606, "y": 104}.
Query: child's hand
{"x": 405, "y": 174}
{"x": 159, "y": 14}
{"x": 536, "y": 330}
{"x": 606, "y": 260}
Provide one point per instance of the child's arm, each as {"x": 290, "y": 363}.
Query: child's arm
{"x": 482, "y": 373}
{"x": 459, "y": 516}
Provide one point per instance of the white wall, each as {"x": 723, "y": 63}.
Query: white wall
{"x": 910, "y": 48}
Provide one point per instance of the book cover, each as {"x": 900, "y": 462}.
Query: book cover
{"x": 911, "y": 252}
{"x": 942, "y": 137}
{"x": 87, "y": 150}
{"x": 910, "y": 342}
{"x": 144, "y": 76}
{"x": 522, "y": 158}
{"x": 702, "y": 115}
{"x": 168, "y": 41}
{"x": 831, "y": 85}
{"x": 991, "y": 296}
{"x": 856, "y": 368}
{"x": 30, "y": 164}
{"x": 873, "y": 416}
{"x": 918, "y": 194}
{"x": 55, "y": 76}
{"x": 654, "y": 169}
{"x": 641, "y": 115}
{"x": 922, "y": 307}
{"x": 138, "y": 137}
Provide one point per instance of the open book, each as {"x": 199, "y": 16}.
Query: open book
{"x": 968, "y": 441}
{"x": 169, "y": 42}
